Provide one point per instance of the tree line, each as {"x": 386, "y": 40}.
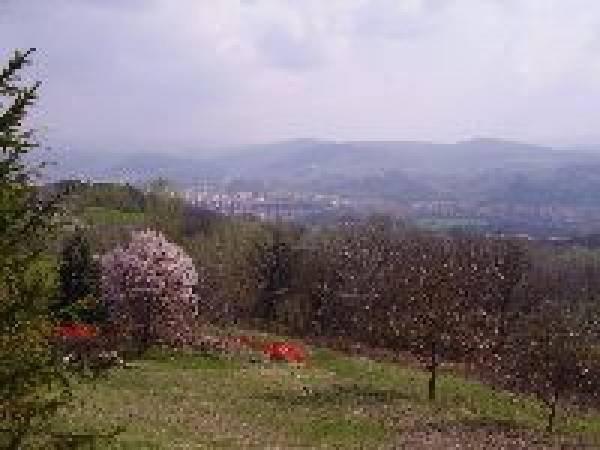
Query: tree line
{"x": 501, "y": 306}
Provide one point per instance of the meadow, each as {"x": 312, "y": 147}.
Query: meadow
{"x": 190, "y": 400}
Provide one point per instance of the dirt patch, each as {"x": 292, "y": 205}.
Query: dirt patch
{"x": 474, "y": 437}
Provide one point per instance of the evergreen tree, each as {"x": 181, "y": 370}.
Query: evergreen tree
{"x": 32, "y": 385}
{"x": 79, "y": 282}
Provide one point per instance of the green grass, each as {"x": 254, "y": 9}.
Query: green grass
{"x": 96, "y": 215}
{"x": 189, "y": 401}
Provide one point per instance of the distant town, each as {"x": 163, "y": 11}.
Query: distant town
{"x": 549, "y": 223}
{"x": 265, "y": 205}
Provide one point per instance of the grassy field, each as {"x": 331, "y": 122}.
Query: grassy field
{"x": 191, "y": 401}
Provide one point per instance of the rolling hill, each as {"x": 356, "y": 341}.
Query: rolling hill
{"x": 481, "y": 170}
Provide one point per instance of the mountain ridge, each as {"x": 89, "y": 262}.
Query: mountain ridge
{"x": 480, "y": 168}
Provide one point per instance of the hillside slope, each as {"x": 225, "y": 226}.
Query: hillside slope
{"x": 173, "y": 401}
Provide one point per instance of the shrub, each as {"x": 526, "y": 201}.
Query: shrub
{"x": 148, "y": 288}
{"x": 284, "y": 351}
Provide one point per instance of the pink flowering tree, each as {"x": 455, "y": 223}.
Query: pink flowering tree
{"x": 148, "y": 289}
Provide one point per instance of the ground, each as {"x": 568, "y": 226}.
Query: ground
{"x": 172, "y": 401}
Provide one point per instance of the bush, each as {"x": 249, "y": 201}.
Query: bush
{"x": 148, "y": 289}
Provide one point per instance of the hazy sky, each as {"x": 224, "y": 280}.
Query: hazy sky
{"x": 184, "y": 73}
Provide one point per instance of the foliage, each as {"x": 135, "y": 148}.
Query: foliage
{"x": 455, "y": 294}
{"x": 229, "y": 280}
{"x": 79, "y": 286}
{"x": 549, "y": 353}
{"x": 275, "y": 266}
{"x": 122, "y": 197}
{"x": 95, "y": 215}
{"x": 164, "y": 210}
{"x": 386, "y": 285}
{"x": 148, "y": 287}
{"x": 31, "y": 386}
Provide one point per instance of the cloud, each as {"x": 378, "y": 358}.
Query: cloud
{"x": 164, "y": 74}
{"x": 397, "y": 20}
{"x": 282, "y": 49}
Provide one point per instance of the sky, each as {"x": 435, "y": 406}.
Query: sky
{"x": 186, "y": 75}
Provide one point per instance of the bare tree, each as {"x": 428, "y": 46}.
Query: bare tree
{"x": 548, "y": 353}
{"x": 455, "y": 293}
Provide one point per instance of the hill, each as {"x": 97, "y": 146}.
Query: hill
{"x": 309, "y": 157}
{"x": 476, "y": 171}
{"x": 363, "y": 158}
{"x": 183, "y": 400}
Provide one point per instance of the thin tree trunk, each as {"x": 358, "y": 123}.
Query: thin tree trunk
{"x": 432, "y": 371}
{"x": 552, "y": 414}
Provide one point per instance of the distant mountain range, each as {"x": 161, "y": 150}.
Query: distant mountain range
{"x": 480, "y": 169}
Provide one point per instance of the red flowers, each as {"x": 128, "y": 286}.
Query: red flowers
{"x": 275, "y": 350}
{"x": 76, "y": 330}
{"x": 285, "y": 351}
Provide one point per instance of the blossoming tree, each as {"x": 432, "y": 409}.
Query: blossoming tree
{"x": 148, "y": 289}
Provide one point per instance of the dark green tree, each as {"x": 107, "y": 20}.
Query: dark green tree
{"x": 32, "y": 384}
{"x": 79, "y": 282}
{"x": 25, "y": 362}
